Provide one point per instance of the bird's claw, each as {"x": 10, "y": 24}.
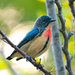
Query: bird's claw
{"x": 39, "y": 64}
{"x": 27, "y": 57}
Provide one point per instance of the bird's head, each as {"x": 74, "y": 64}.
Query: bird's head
{"x": 43, "y": 21}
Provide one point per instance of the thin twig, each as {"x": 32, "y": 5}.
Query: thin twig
{"x": 25, "y": 55}
{"x": 66, "y": 38}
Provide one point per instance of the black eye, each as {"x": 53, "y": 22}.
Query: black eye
{"x": 43, "y": 19}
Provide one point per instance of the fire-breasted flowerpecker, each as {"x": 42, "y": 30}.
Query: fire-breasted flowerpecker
{"x": 36, "y": 41}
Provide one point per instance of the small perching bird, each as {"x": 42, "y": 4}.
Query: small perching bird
{"x": 36, "y": 41}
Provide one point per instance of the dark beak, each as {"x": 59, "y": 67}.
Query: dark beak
{"x": 52, "y": 20}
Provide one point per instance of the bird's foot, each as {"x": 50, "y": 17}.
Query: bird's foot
{"x": 39, "y": 63}
{"x": 27, "y": 57}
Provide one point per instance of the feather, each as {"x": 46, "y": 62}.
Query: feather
{"x": 48, "y": 33}
{"x": 28, "y": 37}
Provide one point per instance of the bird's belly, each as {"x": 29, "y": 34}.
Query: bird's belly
{"x": 35, "y": 48}
{"x": 45, "y": 48}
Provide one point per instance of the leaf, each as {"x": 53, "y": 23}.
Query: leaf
{"x": 72, "y": 47}
{"x": 68, "y": 23}
{"x": 42, "y": 60}
{"x": 65, "y": 4}
{"x": 3, "y": 64}
{"x": 74, "y": 3}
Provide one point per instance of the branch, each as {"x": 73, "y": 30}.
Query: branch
{"x": 72, "y": 7}
{"x": 25, "y": 55}
{"x": 66, "y": 38}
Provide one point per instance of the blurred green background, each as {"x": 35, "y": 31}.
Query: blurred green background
{"x": 17, "y": 17}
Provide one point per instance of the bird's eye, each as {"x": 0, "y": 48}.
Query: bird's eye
{"x": 43, "y": 19}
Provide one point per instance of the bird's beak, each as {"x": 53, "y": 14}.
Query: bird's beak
{"x": 52, "y": 20}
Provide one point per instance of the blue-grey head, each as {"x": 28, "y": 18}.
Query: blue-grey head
{"x": 43, "y": 21}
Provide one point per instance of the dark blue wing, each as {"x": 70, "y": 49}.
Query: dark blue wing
{"x": 30, "y": 35}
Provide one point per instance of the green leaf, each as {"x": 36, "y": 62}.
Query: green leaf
{"x": 68, "y": 23}
{"x": 42, "y": 60}
{"x": 3, "y": 64}
{"x": 74, "y": 3}
{"x": 65, "y": 4}
{"x": 72, "y": 48}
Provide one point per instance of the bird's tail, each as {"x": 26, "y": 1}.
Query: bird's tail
{"x": 9, "y": 58}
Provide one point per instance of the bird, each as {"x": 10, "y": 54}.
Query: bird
{"x": 36, "y": 41}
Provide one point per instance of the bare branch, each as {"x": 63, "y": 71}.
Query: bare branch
{"x": 70, "y": 34}
{"x": 72, "y": 7}
{"x": 66, "y": 38}
{"x": 25, "y": 55}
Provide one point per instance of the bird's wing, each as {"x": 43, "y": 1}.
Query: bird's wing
{"x": 30, "y": 35}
